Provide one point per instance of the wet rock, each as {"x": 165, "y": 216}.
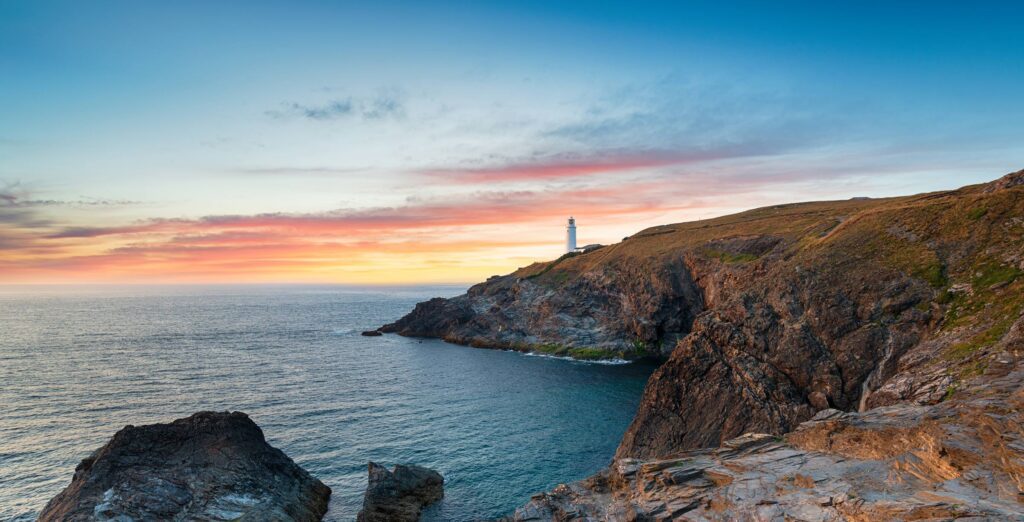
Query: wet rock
{"x": 399, "y": 495}
{"x": 209, "y": 466}
{"x": 372, "y": 333}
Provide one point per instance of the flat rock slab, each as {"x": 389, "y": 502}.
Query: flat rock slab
{"x": 210, "y": 466}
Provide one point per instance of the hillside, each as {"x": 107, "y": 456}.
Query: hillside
{"x": 769, "y": 317}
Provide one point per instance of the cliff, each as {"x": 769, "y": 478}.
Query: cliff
{"x": 771, "y": 316}
{"x": 958, "y": 459}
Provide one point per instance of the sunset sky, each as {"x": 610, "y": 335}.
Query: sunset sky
{"x": 383, "y": 142}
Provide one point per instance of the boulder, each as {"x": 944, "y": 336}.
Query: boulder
{"x": 372, "y": 333}
{"x": 399, "y": 495}
{"x": 210, "y": 466}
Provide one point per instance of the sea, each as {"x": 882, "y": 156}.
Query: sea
{"x": 78, "y": 363}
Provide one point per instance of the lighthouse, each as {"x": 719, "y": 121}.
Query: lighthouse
{"x": 570, "y": 235}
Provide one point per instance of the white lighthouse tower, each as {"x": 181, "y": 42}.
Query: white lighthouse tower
{"x": 570, "y": 235}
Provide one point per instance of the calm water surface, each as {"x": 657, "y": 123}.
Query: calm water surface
{"x": 78, "y": 364}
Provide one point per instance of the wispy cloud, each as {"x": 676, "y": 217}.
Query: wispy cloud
{"x": 377, "y": 107}
{"x": 299, "y": 171}
{"x": 576, "y": 165}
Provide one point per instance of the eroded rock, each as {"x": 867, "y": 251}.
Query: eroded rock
{"x": 399, "y": 495}
{"x": 209, "y": 466}
{"x": 960, "y": 459}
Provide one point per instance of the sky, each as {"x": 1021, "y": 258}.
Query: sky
{"x": 422, "y": 142}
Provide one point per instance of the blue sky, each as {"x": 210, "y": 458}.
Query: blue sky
{"x": 126, "y": 116}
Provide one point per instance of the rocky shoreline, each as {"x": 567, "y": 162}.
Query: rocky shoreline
{"x": 954, "y": 460}
{"x": 791, "y": 336}
{"x": 851, "y": 360}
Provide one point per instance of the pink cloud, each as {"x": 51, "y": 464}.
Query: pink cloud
{"x": 573, "y": 167}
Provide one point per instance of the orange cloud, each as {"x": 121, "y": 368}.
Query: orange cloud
{"x": 460, "y": 239}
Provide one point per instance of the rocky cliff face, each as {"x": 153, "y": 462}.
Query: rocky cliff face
{"x": 210, "y": 466}
{"x": 900, "y": 301}
{"x": 772, "y": 316}
{"x": 769, "y": 316}
{"x": 625, "y": 307}
{"x": 959, "y": 459}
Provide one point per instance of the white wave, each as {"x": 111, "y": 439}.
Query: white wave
{"x": 572, "y": 359}
{"x": 343, "y": 331}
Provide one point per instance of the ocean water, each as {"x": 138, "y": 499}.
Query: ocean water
{"x": 77, "y": 364}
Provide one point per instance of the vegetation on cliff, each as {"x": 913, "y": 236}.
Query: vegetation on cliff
{"x": 771, "y": 316}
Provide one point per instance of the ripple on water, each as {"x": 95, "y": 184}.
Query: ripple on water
{"x": 500, "y": 426}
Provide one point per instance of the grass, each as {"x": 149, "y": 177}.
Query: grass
{"x": 977, "y": 213}
{"x": 985, "y": 339}
{"x": 639, "y": 347}
{"x": 550, "y": 348}
{"x": 553, "y": 264}
{"x": 994, "y": 273}
{"x": 974, "y": 369}
{"x": 729, "y": 257}
{"x": 934, "y": 273}
{"x": 950, "y": 391}
{"x": 986, "y": 305}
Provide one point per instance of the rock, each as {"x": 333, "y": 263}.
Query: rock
{"x": 818, "y": 400}
{"x": 895, "y": 326}
{"x": 954, "y": 460}
{"x": 1013, "y": 179}
{"x": 399, "y": 495}
{"x": 764, "y": 318}
{"x": 639, "y": 308}
{"x": 372, "y": 333}
{"x": 210, "y": 466}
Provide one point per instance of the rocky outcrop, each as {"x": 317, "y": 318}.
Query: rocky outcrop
{"x": 1013, "y": 179}
{"x": 960, "y": 459}
{"x": 210, "y": 466}
{"x": 769, "y": 316}
{"x": 624, "y": 308}
{"x": 399, "y": 495}
{"x": 900, "y": 313}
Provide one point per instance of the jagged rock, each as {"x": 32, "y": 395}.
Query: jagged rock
{"x": 771, "y": 315}
{"x": 958, "y": 459}
{"x": 209, "y": 466}
{"x": 372, "y": 333}
{"x": 399, "y": 495}
{"x": 888, "y": 330}
{"x": 636, "y": 308}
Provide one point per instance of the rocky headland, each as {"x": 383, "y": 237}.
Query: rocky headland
{"x": 209, "y": 466}
{"x": 874, "y": 344}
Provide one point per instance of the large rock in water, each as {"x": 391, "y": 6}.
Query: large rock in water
{"x": 399, "y": 496}
{"x": 210, "y": 466}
